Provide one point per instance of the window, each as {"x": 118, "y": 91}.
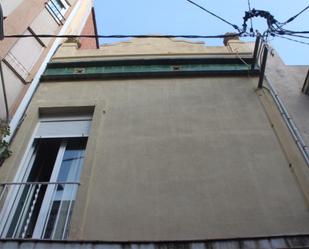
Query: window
{"x": 57, "y": 8}
{"x": 40, "y": 203}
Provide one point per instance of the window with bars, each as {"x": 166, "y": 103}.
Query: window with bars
{"x": 40, "y": 202}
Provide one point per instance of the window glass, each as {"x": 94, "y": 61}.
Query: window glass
{"x": 64, "y": 196}
{"x": 57, "y": 8}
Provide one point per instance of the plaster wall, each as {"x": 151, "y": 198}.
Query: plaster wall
{"x": 175, "y": 159}
{"x": 24, "y": 55}
{"x": 152, "y": 47}
{"x": 9, "y": 5}
{"x": 288, "y": 81}
{"x": 13, "y": 89}
{"x": 45, "y": 24}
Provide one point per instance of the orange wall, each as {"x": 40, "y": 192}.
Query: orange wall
{"x": 90, "y": 29}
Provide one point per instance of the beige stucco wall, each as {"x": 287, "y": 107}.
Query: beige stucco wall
{"x": 175, "y": 159}
{"x": 152, "y": 47}
{"x": 288, "y": 81}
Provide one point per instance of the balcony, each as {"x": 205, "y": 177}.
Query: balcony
{"x": 40, "y": 210}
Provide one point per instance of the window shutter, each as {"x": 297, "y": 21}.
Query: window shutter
{"x": 63, "y": 128}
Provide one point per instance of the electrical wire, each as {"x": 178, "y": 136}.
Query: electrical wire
{"x": 213, "y": 14}
{"x": 294, "y": 40}
{"x": 300, "y": 36}
{"x": 251, "y": 21}
{"x": 123, "y": 36}
{"x": 274, "y": 27}
{"x": 294, "y": 17}
{"x": 295, "y": 32}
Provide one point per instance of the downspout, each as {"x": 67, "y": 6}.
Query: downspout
{"x": 289, "y": 122}
{"x": 15, "y": 122}
{"x": 1, "y": 71}
{"x": 297, "y": 137}
{"x": 4, "y": 94}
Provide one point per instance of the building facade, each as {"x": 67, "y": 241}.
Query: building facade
{"x": 154, "y": 143}
{"x": 23, "y": 60}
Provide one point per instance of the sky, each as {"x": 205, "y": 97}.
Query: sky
{"x": 180, "y": 17}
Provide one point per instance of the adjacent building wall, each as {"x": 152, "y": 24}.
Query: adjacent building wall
{"x": 90, "y": 29}
{"x": 25, "y": 56}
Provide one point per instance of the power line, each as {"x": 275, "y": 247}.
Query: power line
{"x": 294, "y": 17}
{"x": 295, "y": 32}
{"x": 249, "y": 5}
{"x": 274, "y": 27}
{"x": 294, "y": 40}
{"x": 213, "y": 14}
{"x": 300, "y": 36}
{"x": 124, "y": 36}
{"x": 251, "y": 22}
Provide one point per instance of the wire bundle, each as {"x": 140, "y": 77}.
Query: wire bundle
{"x": 275, "y": 28}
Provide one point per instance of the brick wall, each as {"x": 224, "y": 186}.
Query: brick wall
{"x": 90, "y": 29}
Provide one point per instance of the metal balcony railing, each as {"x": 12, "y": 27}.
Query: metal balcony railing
{"x": 39, "y": 210}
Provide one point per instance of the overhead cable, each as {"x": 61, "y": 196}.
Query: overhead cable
{"x": 294, "y": 17}
{"x": 251, "y": 22}
{"x": 274, "y": 27}
{"x": 295, "y": 32}
{"x": 294, "y": 40}
{"x": 124, "y": 36}
{"x": 300, "y": 36}
{"x": 213, "y": 14}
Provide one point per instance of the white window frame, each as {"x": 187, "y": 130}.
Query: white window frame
{"x": 25, "y": 169}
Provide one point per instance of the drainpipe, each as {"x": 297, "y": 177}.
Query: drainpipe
{"x": 1, "y": 71}
{"x": 4, "y": 94}
{"x": 283, "y": 111}
{"x": 289, "y": 122}
{"x": 1, "y": 24}
{"x": 18, "y": 117}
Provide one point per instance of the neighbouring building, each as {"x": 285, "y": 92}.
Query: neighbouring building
{"x": 154, "y": 143}
{"x": 23, "y": 60}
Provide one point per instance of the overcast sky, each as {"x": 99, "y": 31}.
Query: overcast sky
{"x": 181, "y": 17}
